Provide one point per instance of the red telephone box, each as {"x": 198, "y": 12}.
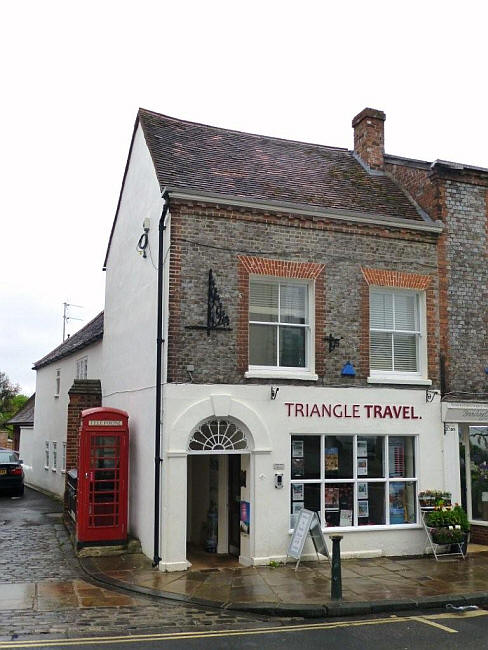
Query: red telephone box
{"x": 102, "y": 476}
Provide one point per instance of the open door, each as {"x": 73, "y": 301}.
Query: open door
{"x": 234, "y": 504}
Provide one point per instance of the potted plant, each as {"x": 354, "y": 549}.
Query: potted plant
{"x": 447, "y": 536}
{"x": 462, "y": 519}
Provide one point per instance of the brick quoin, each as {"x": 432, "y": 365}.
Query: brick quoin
{"x": 84, "y": 394}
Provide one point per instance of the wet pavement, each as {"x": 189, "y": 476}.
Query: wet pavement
{"x": 411, "y": 581}
{"x": 45, "y": 593}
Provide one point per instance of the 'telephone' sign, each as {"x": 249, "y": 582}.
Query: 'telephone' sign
{"x": 369, "y": 411}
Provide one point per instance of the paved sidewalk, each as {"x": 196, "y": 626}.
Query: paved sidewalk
{"x": 369, "y": 585}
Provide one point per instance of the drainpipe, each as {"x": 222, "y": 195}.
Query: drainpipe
{"x": 158, "y": 432}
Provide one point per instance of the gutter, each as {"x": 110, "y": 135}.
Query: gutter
{"x": 158, "y": 430}
{"x": 305, "y": 210}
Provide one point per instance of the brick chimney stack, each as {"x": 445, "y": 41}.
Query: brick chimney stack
{"x": 369, "y": 137}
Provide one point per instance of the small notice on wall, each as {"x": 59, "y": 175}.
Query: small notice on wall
{"x": 245, "y": 512}
{"x": 484, "y": 496}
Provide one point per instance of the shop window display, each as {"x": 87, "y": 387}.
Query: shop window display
{"x": 361, "y": 481}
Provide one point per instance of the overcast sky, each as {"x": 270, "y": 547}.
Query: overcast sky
{"x": 74, "y": 74}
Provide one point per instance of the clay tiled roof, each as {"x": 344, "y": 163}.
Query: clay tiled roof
{"x": 92, "y": 332}
{"x": 188, "y": 155}
{"x": 26, "y": 414}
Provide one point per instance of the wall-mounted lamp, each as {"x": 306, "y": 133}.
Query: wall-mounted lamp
{"x": 144, "y": 238}
{"x": 333, "y": 342}
{"x": 274, "y": 392}
{"x": 348, "y": 370}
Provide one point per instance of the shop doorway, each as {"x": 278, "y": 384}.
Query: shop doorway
{"x": 218, "y": 491}
{"x": 234, "y": 502}
{"x": 213, "y": 509}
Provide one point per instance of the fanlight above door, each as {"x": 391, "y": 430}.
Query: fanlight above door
{"x": 218, "y": 435}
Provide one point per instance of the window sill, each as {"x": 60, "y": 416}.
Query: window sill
{"x": 359, "y": 529}
{"x": 281, "y": 374}
{"x": 398, "y": 379}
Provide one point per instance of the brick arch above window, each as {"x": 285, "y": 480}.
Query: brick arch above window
{"x": 281, "y": 268}
{"x": 251, "y": 265}
{"x": 398, "y": 279}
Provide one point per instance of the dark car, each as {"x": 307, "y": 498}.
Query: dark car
{"x": 11, "y": 473}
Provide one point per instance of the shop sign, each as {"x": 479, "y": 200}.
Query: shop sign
{"x": 368, "y": 411}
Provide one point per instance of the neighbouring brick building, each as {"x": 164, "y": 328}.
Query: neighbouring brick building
{"x": 457, "y": 195}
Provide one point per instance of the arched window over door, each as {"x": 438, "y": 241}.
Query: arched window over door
{"x": 218, "y": 435}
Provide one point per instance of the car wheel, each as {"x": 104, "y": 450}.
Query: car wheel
{"x": 20, "y": 492}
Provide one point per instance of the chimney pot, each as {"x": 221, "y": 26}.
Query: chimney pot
{"x": 369, "y": 137}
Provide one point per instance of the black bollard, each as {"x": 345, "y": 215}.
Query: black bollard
{"x": 336, "y": 577}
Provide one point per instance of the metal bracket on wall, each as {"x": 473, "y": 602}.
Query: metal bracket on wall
{"x": 333, "y": 341}
{"x": 217, "y": 319}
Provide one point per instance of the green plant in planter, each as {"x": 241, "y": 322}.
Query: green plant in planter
{"x": 447, "y": 536}
{"x": 462, "y": 518}
{"x": 439, "y": 518}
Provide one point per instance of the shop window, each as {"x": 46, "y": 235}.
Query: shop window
{"x": 397, "y": 334}
{"x": 353, "y": 481}
{"x": 478, "y": 473}
{"x": 279, "y": 324}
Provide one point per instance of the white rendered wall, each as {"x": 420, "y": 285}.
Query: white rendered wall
{"x": 50, "y": 418}
{"x": 270, "y": 426}
{"x": 129, "y": 354}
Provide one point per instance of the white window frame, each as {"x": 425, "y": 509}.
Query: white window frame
{"x": 377, "y": 376}
{"x": 47, "y": 454}
{"x": 63, "y": 458}
{"x": 306, "y": 373}
{"x": 82, "y": 368}
{"x": 58, "y": 382}
{"x": 54, "y": 456}
{"x": 386, "y": 479}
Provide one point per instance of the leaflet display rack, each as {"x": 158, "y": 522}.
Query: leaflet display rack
{"x": 440, "y": 550}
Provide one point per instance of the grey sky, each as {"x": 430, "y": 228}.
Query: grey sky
{"x": 74, "y": 74}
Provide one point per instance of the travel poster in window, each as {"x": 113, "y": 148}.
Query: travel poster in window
{"x": 363, "y": 509}
{"x": 297, "y": 467}
{"x": 331, "y": 459}
{"x": 297, "y": 448}
{"x": 296, "y": 507}
{"x": 332, "y": 498}
{"x": 362, "y": 449}
{"x": 362, "y": 466}
{"x": 297, "y": 491}
{"x": 345, "y": 518}
{"x": 362, "y": 490}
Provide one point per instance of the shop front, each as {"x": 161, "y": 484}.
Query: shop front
{"x": 466, "y": 424}
{"x": 242, "y": 461}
